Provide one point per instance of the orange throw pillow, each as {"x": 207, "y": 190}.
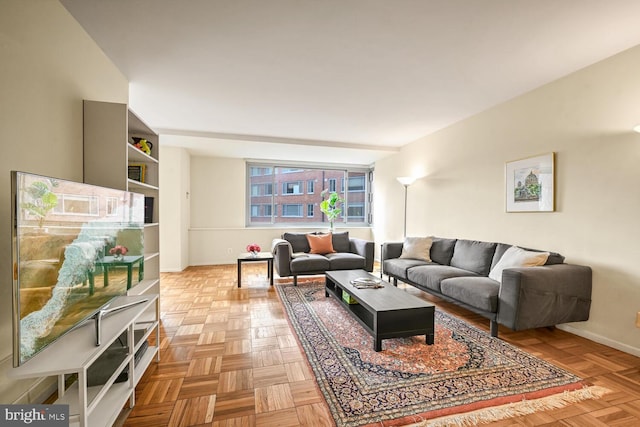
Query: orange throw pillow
{"x": 320, "y": 243}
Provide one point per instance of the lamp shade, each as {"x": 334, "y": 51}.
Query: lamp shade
{"x": 406, "y": 180}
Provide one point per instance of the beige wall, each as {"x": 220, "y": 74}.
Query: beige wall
{"x": 49, "y": 65}
{"x": 175, "y": 185}
{"x": 218, "y": 233}
{"x": 586, "y": 119}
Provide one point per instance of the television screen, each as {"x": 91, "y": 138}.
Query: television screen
{"x": 75, "y": 247}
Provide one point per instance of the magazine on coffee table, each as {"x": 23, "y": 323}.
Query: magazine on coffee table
{"x": 366, "y": 283}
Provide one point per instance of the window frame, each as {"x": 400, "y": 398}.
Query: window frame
{"x": 65, "y": 199}
{"x": 322, "y": 176}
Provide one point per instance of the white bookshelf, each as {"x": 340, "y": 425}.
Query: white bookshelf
{"x": 108, "y": 128}
{"x": 108, "y": 153}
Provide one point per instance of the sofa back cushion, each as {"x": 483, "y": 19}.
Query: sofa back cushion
{"x": 442, "y": 250}
{"x": 472, "y": 255}
{"x": 501, "y": 248}
{"x": 341, "y": 242}
{"x": 298, "y": 241}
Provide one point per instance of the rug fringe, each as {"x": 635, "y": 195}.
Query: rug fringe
{"x": 525, "y": 407}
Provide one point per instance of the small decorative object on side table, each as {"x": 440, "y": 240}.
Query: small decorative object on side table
{"x": 253, "y": 249}
{"x": 118, "y": 252}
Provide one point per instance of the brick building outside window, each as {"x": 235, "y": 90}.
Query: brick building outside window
{"x": 292, "y": 195}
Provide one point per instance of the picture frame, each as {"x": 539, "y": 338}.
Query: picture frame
{"x": 136, "y": 171}
{"x": 530, "y": 184}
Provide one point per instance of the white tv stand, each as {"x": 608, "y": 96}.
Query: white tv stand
{"x": 76, "y": 351}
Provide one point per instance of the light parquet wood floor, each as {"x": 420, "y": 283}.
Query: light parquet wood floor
{"x": 229, "y": 358}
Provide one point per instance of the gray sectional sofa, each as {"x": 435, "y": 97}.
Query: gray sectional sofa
{"x": 292, "y": 257}
{"x": 457, "y": 270}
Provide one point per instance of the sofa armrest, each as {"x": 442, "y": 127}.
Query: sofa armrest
{"x": 391, "y": 250}
{"x": 282, "y": 254}
{"x": 364, "y": 248}
{"x": 533, "y": 297}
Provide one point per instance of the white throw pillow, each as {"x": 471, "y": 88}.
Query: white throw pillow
{"x": 417, "y": 248}
{"x": 517, "y": 257}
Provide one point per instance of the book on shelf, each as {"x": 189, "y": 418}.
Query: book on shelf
{"x": 137, "y": 171}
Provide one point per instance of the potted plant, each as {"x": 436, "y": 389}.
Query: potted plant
{"x": 42, "y": 200}
{"x": 329, "y": 206}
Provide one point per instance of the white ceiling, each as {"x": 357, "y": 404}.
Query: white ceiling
{"x": 348, "y": 81}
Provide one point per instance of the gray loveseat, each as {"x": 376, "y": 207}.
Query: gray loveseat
{"x": 292, "y": 257}
{"x": 520, "y": 298}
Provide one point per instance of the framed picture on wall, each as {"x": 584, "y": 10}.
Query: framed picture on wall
{"x": 530, "y": 184}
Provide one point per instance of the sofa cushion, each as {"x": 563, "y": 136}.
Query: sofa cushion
{"x": 309, "y": 263}
{"x": 417, "y": 248}
{"x": 431, "y": 275}
{"x": 473, "y": 255}
{"x": 299, "y": 242}
{"x": 398, "y": 267}
{"x": 341, "y": 242}
{"x": 517, "y": 257}
{"x": 554, "y": 257}
{"x": 501, "y": 248}
{"x": 478, "y": 292}
{"x": 442, "y": 250}
{"x": 345, "y": 261}
{"x": 320, "y": 243}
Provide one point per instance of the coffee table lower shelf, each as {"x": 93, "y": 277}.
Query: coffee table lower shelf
{"x": 384, "y": 313}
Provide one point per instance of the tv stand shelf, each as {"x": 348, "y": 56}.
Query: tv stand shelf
{"x": 76, "y": 351}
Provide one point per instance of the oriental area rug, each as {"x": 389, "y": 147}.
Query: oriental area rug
{"x": 466, "y": 378}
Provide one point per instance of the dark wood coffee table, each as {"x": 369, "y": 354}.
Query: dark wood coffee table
{"x": 386, "y": 312}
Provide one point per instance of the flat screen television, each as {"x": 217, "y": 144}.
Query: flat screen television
{"x": 65, "y": 234}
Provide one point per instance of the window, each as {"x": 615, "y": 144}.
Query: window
{"x": 292, "y": 187}
{"x": 261, "y": 189}
{"x": 280, "y": 195}
{"x": 356, "y": 183}
{"x": 112, "y": 206}
{"x": 72, "y": 204}
{"x": 258, "y": 171}
{"x": 355, "y": 212}
{"x": 261, "y": 210}
{"x": 294, "y": 210}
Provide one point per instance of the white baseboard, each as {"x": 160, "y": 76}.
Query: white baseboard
{"x": 601, "y": 339}
{"x": 171, "y": 270}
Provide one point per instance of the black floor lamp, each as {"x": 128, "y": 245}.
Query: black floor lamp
{"x": 406, "y": 181}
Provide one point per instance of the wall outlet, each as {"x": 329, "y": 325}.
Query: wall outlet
{"x": 229, "y": 250}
